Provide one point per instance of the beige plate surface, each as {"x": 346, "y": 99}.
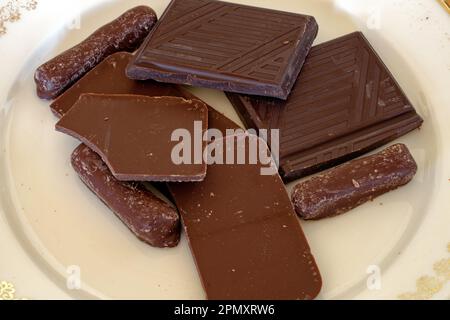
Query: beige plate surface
{"x": 49, "y": 222}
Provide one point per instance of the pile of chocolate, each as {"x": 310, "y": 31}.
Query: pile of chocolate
{"x": 330, "y": 104}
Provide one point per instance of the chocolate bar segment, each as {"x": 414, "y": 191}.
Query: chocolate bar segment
{"x": 109, "y": 78}
{"x": 148, "y": 217}
{"x": 244, "y": 234}
{"x": 133, "y": 134}
{"x": 345, "y": 103}
{"x": 125, "y": 33}
{"x": 226, "y": 46}
{"x": 351, "y": 184}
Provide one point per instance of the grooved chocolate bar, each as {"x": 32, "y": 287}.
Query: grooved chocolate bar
{"x": 226, "y": 46}
{"x": 134, "y": 134}
{"x": 125, "y": 33}
{"x": 345, "y": 103}
{"x": 148, "y": 217}
{"x": 351, "y": 184}
{"x": 244, "y": 234}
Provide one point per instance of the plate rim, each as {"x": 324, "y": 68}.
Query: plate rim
{"x": 442, "y": 246}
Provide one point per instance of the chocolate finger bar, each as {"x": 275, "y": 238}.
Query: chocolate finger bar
{"x": 243, "y": 232}
{"x": 148, "y": 217}
{"x": 126, "y": 33}
{"x": 345, "y": 103}
{"x": 226, "y": 46}
{"x": 349, "y": 185}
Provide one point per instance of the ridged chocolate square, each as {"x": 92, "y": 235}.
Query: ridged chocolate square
{"x": 344, "y": 103}
{"x": 226, "y": 46}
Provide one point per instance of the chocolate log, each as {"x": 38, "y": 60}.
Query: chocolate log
{"x": 349, "y": 185}
{"x": 226, "y": 46}
{"x": 108, "y": 77}
{"x": 125, "y": 33}
{"x": 148, "y": 217}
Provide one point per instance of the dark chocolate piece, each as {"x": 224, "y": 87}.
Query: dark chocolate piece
{"x": 345, "y": 103}
{"x": 351, "y": 184}
{"x": 244, "y": 234}
{"x": 125, "y": 33}
{"x": 109, "y": 78}
{"x": 148, "y": 217}
{"x": 133, "y": 134}
{"x": 226, "y": 46}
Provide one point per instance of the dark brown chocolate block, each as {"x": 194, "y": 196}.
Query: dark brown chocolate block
{"x": 148, "y": 217}
{"x": 133, "y": 134}
{"x": 351, "y": 184}
{"x": 226, "y": 46}
{"x": 345, "y": 103}
{"x": 126, "y": 33}
{"x": 244, "y": 234}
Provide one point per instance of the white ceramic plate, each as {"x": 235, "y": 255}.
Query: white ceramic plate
{"x": 50, "y": 222}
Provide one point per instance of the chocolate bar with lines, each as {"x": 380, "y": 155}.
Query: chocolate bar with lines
{"x": 345, "y": 103}
{"x": 226, "y": 46}
{"x": 353, "y": 183}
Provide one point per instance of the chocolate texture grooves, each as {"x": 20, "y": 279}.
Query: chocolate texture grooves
{"x": 345, "y": 102}
{"x": 226, "y": 46}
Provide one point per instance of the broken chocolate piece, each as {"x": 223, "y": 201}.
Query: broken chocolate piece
{"x": 148, "y": 217}
{"x": 226, "y": 46}
{"x": 125, "y": 33}
{"x": 133, "y": 134}
{"x": 109, "y": 78}
{"x": 351, "y": 184}
{"x": 345, "y": 103}
{"x": 244, "y": 234}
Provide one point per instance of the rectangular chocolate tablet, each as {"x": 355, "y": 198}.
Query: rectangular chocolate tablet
{"x": 345, "y": 103}
{"x": 351, "y": 184}
{"x": 134, "y": 134}
{"x": 243, "y": 231}
{"x": 148, "y": 217}
{"x": 226, "y": 46}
